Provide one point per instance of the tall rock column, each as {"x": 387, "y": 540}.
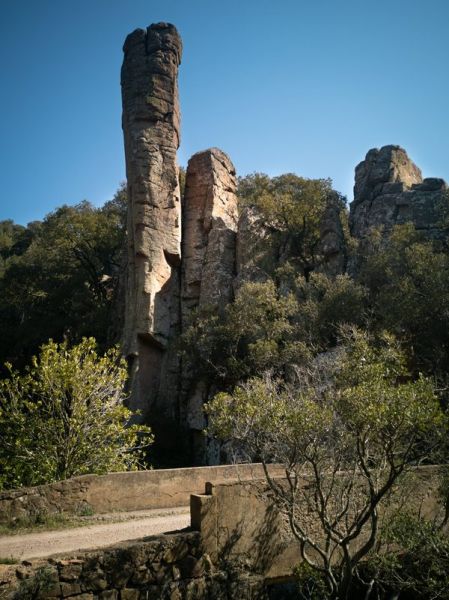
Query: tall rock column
{"x": 208, "y": 265}
{"x": 151, "y": 122}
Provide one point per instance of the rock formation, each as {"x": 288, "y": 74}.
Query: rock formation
{"x": 253, "y": 242}
{"x": 208, "y": 262}
{"x": 157, "y": 299}
{"x": 151, "y": 126}
{"x": 332, "y": 240}
{"x": 209, "y": 231}
{"x": 174, "y": 267}
{"x": 389, "y": 190}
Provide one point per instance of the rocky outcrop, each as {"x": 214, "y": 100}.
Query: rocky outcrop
{"x": 253, "y": 245}
{"x": 178, "y": 263}
{"x": 209, "y": 231}
{"x": 208, "y": 264}
{"x": 332, "y": 247}
{"x": 151, "y": 125}
{"x": 389, "y": 190}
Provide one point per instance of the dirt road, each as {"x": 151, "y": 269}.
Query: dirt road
{"x": 134, "y": 525}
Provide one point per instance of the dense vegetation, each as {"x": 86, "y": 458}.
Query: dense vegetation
{"x": 332, "y": 372}
{"x": 332, "y": 375}
{"x": 58, "y": 278}
{"x": 347, "y": 430}
{"x": 293, "y": 309}
{"x": 65, "y": 416}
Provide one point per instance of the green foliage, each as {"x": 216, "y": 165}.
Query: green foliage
{"x": 59, "y": 277}
{"x": 38, "y": 585}
{"x": 346, "y": 429}
{"x": 38, "y": 521}
{"x": 292, "y": 209}
{"x": 255, "y": 333}
{"x": 65, "y": 416}
{"x": 265, "y": 329}
{"x": 325, "y": 304}
{"x": 8, "y": 560}
{"x": 420, "y": 569}
{"x": 408, "y": 283}
{"x": 311, "y": 583}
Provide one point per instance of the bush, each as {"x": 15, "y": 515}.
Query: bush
{"x": 347, "y": 430}
{"x": 65, "y": 416}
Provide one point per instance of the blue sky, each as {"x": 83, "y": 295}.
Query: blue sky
{"x": 307, "y": 86}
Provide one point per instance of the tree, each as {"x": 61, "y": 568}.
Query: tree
{"x": 407, "y": 278}
{"x": 292, "y": 209}
{"x": 347, "y": 430}
{"x": 420, "y": 569}
{"x": 264, "y": 329}
{"x": 60, "y": 277}
{"x": 255, "y": 333}
{"x": 65, "y": 416}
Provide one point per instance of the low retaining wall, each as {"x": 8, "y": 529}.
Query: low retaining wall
{"x": 242, "y": 546}
{"x": 240, "y": 524}
{"x": 138, "y": 490}
{"x": 168, "y": 567}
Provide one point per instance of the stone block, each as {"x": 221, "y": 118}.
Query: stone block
{"x": 129, "y": 594}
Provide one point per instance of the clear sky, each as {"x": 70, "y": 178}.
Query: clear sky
{"x": 307, "y": 86}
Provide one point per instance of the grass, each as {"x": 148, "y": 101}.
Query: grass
{"x": 8, "y": 560}
{"x": 57, "y": 521}
{"x": 43, "y": 522}
{"x": 35, "y": 586}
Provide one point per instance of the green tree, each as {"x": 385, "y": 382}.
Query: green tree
{"x": 291, "y": 209}
{"x": 255, "y": 333}
{"x": 60, "y": 278}
{"x": 407, "y": 279}
{"x": 264, "y": 329}
{"x": 346, "y": 430}
{"x": 420, "y": 569}
{"x": 65, "y": 416}
{"x": 325, "y": 304}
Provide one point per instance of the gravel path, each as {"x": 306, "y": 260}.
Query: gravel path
{"x": 138, "y": 524}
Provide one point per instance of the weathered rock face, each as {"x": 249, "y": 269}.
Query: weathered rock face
{"x": 173, "y": 270}
{"x": 332, "y": 240}
{"x": 151, "y": 131}
{"x": 208, "y": 262}
{"x": 209, "y": 231}
{"x": 253, "y": 243}
{"x": 389, "y": 190}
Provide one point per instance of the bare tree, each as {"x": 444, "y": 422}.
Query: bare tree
{"x": 347, "y": 429}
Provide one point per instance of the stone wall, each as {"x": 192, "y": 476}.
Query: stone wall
{"x": 137, "y": 490}
{"x": 168, "y": 567}
{"x": 241, "y": 547}
{"x": 242, "y": 526}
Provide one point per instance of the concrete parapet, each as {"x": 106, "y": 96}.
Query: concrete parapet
{"x": 138, "y": 490}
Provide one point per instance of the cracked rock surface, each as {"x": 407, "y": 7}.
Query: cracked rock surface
{"x": 151, "y": 124}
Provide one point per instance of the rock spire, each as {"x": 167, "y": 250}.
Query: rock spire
{"x": 151, "y": 124}
{"x": 208, "y": 267}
